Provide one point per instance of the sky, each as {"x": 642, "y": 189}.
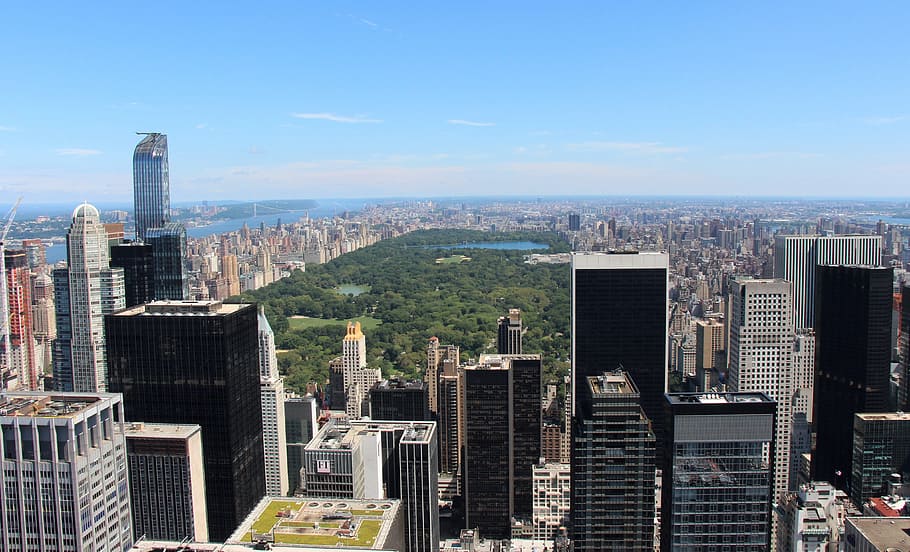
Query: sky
{"x": 268, "y": 100}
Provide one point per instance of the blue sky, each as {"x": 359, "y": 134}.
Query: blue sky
{"x": 334, "y": 99}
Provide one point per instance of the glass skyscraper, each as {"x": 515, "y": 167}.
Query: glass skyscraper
{"x": 151, "y": 187}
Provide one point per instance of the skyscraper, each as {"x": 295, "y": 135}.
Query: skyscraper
{"x": 399, "y": 400}
{"x": 418, "y": 453}
{"x": 509, "y": 333}
{"x": 151, "y": 185}
{"x": 881, "y": 447}
{"x": 23, "y": 369}
{"x": 357, "y": 377}
{"x": 619, "y": 320}
{"x": 92, "y": 290}
{"x": 135, "y": 258}
{"x": 64, "y": 477}
{"x": 761, "y": 350}
{"x": 300, "y": 414}
{"x": 853, "y": 361}
{"x": 168, "y": 253}
{"x": 501, "y": 434}
{"x": 196, "y": 362}
{"x": 717, "y": 484}
{"x": 271, "y": 388}
{"x": 613, "y": 469}
{"x": 167, "y": 481}
{"x": 438, "y": 358}
{"x": 795, "y": 259}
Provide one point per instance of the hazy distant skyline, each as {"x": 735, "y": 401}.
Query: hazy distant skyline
{"x": 334, "y": 100}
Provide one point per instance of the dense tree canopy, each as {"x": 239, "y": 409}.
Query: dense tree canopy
{"x": 416, "y": 298}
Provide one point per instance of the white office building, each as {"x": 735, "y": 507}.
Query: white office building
{"x": 271, "y": 387}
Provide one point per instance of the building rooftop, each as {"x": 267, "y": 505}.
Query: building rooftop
{"x": 884, "y": 532}
{"x": 891, "y": 416}
{"x": 393, "y": 384}
{"x": 146, "y": 430}
{"x": 610, "y": 383}
{"x": 182, "y": 308}
{"x": 328, "y": 523}
{"x": 716, "y": 398}
{"x": 47, "y": 405}
{"x": 497, "y": 361}
{"x": 343, "y": 436}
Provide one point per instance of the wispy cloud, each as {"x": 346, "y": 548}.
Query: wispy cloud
{"x": 256, "y": 150}
{"x": 878, "y": 121}
{"x": 470, "y": 123}
{"x": 335, "y": 118}
{"x": 648, "y": 148}
{"x": 78, "y": 152}
{"x": 202, "y": 125}
{"x": 773, "y": 155}
{"x": 368, "y": 22}
{"x": 4, "y": 128}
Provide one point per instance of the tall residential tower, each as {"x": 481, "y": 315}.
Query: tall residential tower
{"x": 151, "y": 185}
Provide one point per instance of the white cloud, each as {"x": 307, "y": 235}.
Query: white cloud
{"x": 335, "y": 118}
{"x": 878, "y": 121}
{"x": 469, "y": 123}
{"x": 368, "y": 22}
{"x": 773, "y": 155}
{"x": 78, "y": 152}
{"x": 647, "y": 148}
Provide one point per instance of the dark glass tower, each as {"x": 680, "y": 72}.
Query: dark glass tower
{"x": 399, "y": 400}
{"x": 508, "y": 338}
{"x": 619, "y": 321}
{"x": 613, "y": 503}
{"x": 168, "y": 252}
{"x": 718, "y": 480}
{"x": 151, "y": 185}
{"x": 135, "y": 259}
{"x": 852, "y": 360}
{"x": 197, "y": 363}
{"x": 502, "y": 419}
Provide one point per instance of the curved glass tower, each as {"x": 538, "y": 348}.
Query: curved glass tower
{"x": 151, "y": 187}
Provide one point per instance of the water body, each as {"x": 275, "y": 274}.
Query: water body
{"x": 503, "y": 245}
{"x": 351, "y": 289}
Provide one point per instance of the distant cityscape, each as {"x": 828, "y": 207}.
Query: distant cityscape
{"x": 736, "y": 377}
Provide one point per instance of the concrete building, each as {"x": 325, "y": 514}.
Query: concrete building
{"x": 439, "y": 358}
{"x": 91, "y": 289}
{"x": 876, "y": 534}
{"x": 167, "y": 481}
{"x": 709, "y": 343}
{"x": 613, "y": 468}
{"x": 552, "y": 499}
{"x": 64, "y": 477}
{"x": 812, "y": 519}
{"x": 271, "y": 390}
{"x": 761, "y": 349}
{"x": 803, "y": 360}
{"x": 22, "y": 373}
{"x": 717, "y": 486}
{"x": 796, "y": 258}
{"x": 357, "y": 378}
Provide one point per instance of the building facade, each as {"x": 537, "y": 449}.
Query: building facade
{"x": 613, "y": 467}
{"x": 853, "y": 361}
{"x": 22, "y": 371}
{"x": 358, "y": 379}
{"x": 64, "y": 473}
{"x": 167, "y": 481}
{"x": 552, "y": 499}
{"x": 718, "y": 483}
{"x": 168, "y": 244}
{"x": 881, "y": 447}
{"x": 196, "y": 362}
{"x": 300, "y": 415}
{"x": 508, "y": 335}
{"x": 271, "y": 390}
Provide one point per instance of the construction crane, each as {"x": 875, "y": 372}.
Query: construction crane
{"x": 4, "y": 292}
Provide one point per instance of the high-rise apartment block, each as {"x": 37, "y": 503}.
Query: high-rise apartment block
{"x": 881, "y": 447}
{"x": 552, "y": 499}
{"x": 717, "y": 485}
{"x": 357, "y": 378}
{"x": 271, "y": 389}
{"x": 167, "y": 481}
{"x": 151, "y": 183}
{"x": 613, "y": 467}
{"x": 399, "y": 400}
{"x": 440, "y": 358}
{"x": 761, "y": 350}
{"x": 196, "y": 362}
{"x": 64, "y": 477}
{"x": 91, "y": 289}
{"x": 709, "y": 344}
{"x": 501, "y": 431}
{"x": 803, "y": 400}
{"x": 168, "y": 244}
{"x": 813, "y": 519}
{"x": 508, "y": 336}
{"x": 796, "y": 259}
{"x": 853, "y": 361}
{"x": 449, "y": 421}
{"x": 619, "y": 321}
{"x": 22, "y": 371}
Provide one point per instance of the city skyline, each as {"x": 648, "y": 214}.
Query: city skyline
{"x": 360, "y": 101}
